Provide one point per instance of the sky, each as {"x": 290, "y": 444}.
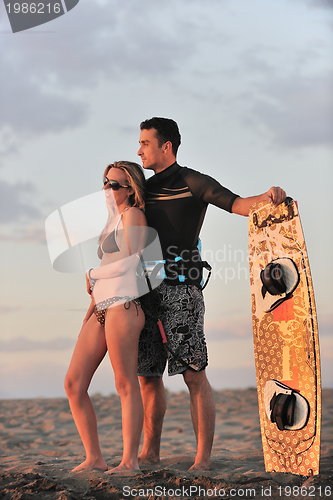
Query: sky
{"x": 250, "y": 85}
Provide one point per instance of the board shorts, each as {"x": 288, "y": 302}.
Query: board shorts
{"x": 101, "y": 308}
{"x": 181, "y": 310}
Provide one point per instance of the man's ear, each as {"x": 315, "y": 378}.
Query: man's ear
{"x": 167, "y": 146}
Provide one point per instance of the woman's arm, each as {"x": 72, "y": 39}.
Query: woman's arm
{"x": 90, "y": 311}
{"x": 241, "y": 206}
{"x": 117, "y": 268}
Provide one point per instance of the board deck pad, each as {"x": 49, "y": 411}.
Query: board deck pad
{"x": 285, "y": 335}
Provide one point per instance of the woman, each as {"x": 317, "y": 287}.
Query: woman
{"x": 114, "y": 319}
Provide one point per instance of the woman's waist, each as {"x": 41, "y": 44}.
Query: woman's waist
{"x": 120, "y": 286}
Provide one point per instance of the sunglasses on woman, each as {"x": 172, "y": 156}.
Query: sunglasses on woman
{"x": 111, "y": 184}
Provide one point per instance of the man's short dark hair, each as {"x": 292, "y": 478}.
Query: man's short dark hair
{"x": 166, "y": 130}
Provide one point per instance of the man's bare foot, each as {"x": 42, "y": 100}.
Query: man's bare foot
{"x": 145, "y": 459}
{"x": 122, "y": 467}
{"x": 92, "y": 464}
{"x": 200, "y": 466}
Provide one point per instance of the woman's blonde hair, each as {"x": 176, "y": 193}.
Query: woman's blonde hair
{"x": 135, "y": 179}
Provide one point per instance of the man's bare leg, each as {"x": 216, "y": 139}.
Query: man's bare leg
{"x": 203, "y": 416}
{"x": 154, "y": 406}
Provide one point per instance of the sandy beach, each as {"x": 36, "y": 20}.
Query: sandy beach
{"x": 40, "y": 446}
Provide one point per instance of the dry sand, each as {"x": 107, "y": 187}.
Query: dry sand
{"x": 40, "y": 445}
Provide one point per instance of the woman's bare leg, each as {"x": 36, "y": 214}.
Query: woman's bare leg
{"x": 89, "y": 351}
{"x": 122, "y": 330}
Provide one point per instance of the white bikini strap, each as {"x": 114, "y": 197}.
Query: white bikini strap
{"x": 116, "y": 226}
{"x": 120, "y": 217}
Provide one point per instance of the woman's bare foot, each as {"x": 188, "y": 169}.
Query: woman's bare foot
{"x": 122, "y": 467}
{"x": 92, "y": 464}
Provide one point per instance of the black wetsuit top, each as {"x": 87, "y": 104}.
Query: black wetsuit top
{"x": 176, "y": 203}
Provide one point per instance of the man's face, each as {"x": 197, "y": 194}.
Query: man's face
{"x": 150, "y": 152}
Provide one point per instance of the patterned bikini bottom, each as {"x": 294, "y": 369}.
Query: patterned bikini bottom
{"x": 101, "y": 308}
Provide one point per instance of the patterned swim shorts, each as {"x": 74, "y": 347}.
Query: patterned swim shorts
{"x": 181, "y": 311}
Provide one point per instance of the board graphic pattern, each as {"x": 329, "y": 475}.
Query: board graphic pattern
{"x": 285, "y": 339}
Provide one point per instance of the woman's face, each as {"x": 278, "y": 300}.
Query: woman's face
{"x": 121, "y": 196}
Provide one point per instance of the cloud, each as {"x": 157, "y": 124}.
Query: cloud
{"x": 44, "y": 80}
{"x": 31, "y": 379}
{"x": 27, "y": 107}
{"x": 15, "y": 204}
{"x": 20, "y": 344}
{"x": 21, "y": 220}
{"x": 32, "y": 234}
{"x": 49, "y": 76}
{"x": 228, "y": 328}
{"x": 321, "y": 4}
{"x": 232, "y": 378}
{"x": 25, "y": 234}
{"x": 8, "y": 309}
{"x": 18, "y": 232}
{"x": 296, "y": 111}
{"x": 34, "y": 374}
{"x": 241, "y": 328}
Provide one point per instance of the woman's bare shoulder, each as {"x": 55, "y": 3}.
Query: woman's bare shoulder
{"x": 134, "y": 217}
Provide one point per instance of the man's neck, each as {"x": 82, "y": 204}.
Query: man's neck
{"x": 160, "y": 168}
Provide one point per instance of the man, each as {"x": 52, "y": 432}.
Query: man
{"x": 176, "y": 202}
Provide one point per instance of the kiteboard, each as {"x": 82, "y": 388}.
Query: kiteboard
{"x": 285, "y": 335}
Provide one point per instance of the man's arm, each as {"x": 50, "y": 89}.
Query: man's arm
{"x": 208, "y": 190}
{"x": 241, "y": 206}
